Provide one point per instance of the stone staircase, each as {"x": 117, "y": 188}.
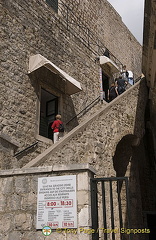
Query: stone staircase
{"x": 95, "y": 139}
{"x": 26, "y": 156}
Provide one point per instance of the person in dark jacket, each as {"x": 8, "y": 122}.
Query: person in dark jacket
{"x": 112, "y": 92}
{"x": 121, "y": 84}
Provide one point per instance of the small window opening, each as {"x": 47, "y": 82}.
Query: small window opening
{"x": 53, "y": 4}
{"x": 48, "y": 111}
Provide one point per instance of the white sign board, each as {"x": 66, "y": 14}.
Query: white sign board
{"x": 56, "y": 203}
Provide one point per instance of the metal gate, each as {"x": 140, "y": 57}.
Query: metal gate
{"x": 110, "y": 208}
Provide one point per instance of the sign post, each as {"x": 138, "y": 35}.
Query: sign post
{"x": 56, "y": 204}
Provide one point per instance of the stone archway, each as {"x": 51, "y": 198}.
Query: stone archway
{"x": 123, "y": 154}
{"x": 126, "y": 164}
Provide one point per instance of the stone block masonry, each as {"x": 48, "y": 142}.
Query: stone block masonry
{"x": 95, "y": 140}
{"x": 18, "y": 201}
{"x": 31, "y": 27}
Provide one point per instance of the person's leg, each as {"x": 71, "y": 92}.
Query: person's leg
{"x": 56, "y": 137}
{"x": 130, "y": 80}
{"x": 61, "y": 134}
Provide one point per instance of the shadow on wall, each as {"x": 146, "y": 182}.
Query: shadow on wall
{"x": 123, "y": 154}
{"x": 129, "y": 160}
{"x": 125, "y": 163}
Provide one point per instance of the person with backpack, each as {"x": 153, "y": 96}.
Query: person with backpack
{"x": 58, "y": 128}
{"x": 121, "y": 84}
{"x": 124, "y": 73}
{"x": 112, "y": 92}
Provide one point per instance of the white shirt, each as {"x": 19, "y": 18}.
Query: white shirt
{"x": 130, "y": 74}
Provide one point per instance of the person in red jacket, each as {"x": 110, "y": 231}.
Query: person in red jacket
{"x": 55, "y": 127}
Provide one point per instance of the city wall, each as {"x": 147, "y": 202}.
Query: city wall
{"x": 33, "y": 27}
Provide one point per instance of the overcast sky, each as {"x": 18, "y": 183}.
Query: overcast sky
{"x": 132, "y": 13}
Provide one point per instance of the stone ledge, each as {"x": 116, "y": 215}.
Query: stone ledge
{"x": 9, "y": 140}
{"x": 47, "y": 169}
{"x": 74, "y": 167}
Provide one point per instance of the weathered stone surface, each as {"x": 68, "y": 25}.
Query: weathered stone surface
{"x": 22, "y": 185}
{"x": 6, "y": 221}
{"x": 84, "y": 216}
{"x": 6, "y": 186}
{"x": 18, "y": 210}
{"x": 95, "y": 140}
{"x": 83, "y": 182}
{"x": 2, "y": 203}
{"x": 13, "y": 202}
{"x": 23, "y": 221}
{"x": 83, "y": 197}
{"x": 29, "y": 201}
{"x": 32, "y": 27}
{"x": 15, "y": 235}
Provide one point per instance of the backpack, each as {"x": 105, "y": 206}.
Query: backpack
{"x": 127, "y": 74}
{"x": 61, "y": 127}
{"x": 112, "y": 91}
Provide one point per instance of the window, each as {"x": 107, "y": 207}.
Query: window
{"x": 48, "y": 111}
{"x": 53, "y": 4}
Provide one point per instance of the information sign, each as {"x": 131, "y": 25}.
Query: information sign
{"x": 56, "y": 203}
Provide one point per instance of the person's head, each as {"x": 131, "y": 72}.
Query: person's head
{"x": 124, "y": 66}
{"x": 120, "y": 77}
{"x": 58, "y": 116}
{"x": 112, "y": 84}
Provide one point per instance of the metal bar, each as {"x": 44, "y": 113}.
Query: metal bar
{"x": 111, "y": 208}
{"x": 137, "y": 79}
{"x": 104, "y": 209}
{"x": 95, "y": 219}
{"x": 83, "y": 110}
{"x": 94, "y": 210}
{"x": 27, "y": 148}
{"x": 119, "y": 205}
{"x": 109, "y": 178}
{"x": 128, "y": 207}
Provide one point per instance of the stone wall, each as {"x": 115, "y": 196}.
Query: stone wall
{"x": 18, "y": 202}
{"x": 33, "y": 27}
{"x": 101, "y": 18}
{"x": 148, "y": 167}
{"x": 95, "y": 140}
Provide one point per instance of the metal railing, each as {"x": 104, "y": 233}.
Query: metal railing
{"x": 98, "y": 98}
{"x": 26, "y": 149}
{"x": 84, "y": 110}
{"x": 138, "y": 79}
{"x": 108, "y": 197}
